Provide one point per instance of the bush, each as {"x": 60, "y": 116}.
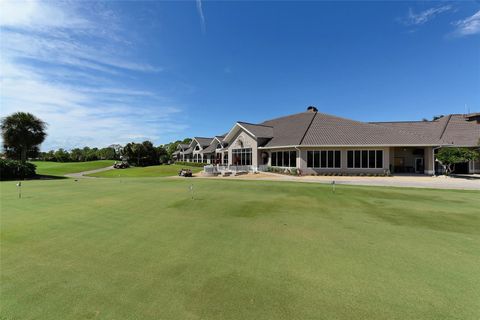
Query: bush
{"x": 13, "y": 169}
{"x": 191, "y": 164}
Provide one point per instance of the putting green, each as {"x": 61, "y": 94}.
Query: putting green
{"x": 143, "y": 249}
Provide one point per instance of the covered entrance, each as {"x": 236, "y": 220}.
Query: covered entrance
{"x": 412, "y": 160}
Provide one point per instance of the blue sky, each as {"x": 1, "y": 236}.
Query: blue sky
{"x": 115, "y": 72}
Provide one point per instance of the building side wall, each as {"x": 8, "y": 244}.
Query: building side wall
{"x": 302, "y": 160}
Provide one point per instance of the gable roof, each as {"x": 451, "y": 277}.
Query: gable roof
{"x": 188, "y": 151}
{"x": 258, "y": 130}
{"x": 182, "y": 146}
{"x": 203, "y": 142}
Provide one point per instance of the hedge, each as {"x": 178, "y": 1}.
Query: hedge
{"x": 191, "y": 164}
{"x": 14, "y": 169}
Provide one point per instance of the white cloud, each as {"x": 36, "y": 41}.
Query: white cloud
{"x": 202, "y": 17}
{"x": 35, "y": 14}
{"x": 468, "y": 26}
{"x": 69, "y": 69}
{"x": 424, "y": 16}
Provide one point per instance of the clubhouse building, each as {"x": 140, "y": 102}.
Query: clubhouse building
{"x": 314, "y": 142}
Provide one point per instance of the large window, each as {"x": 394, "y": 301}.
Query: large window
{"x": 371, "y": 159}
{"x": 242, "y": 157}
{"x": 324, "y": 159}
{"x": 284, "y": 159}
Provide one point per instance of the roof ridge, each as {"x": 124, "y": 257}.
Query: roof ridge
{"x": 445, "y": 127}
{"x": 287, "y": 116}
{"x": 254, "y": 124}
{"x": 407, "y": 121}
{"x": 308, "y": 128}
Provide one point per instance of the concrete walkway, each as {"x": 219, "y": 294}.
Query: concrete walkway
{"x": 83, "y": 174}
{"x": 471, "y": 182}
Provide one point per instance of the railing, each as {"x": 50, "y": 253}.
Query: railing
{"x": 216, "y": 169}
{"x": 262, "y": 168}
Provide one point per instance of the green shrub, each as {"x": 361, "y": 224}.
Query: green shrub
{"x": 191, "y": 164}
{"x": 14, "y": 169}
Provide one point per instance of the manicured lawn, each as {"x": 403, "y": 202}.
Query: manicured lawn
{"x": 143, "y": 249}
{"x": 61, "y": 168}
{"x": 152, "y": 171}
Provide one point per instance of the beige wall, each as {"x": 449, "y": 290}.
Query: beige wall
{"x": 243, "y": 138}
{"x": 302, "y": 161}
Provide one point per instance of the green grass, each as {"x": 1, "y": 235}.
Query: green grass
{"x": 142, "y": 249}
{"x": 152, "y": 171}
{"x": 49, "y": 168}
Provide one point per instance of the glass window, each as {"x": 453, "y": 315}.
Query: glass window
{"x": 350, "y": 159}
{"x": 310, "y": 159}
{"x": 357, "y": 159}
{"x": 371, "y": 159}
{"x": 280, "y": 159}
{"x": 321, "y": 159}
{"x": 293, "y": 158}
{"x": 379, "y": 158}
{"x": 316, "y": 159}
{"x": 274, "y": 159}
{"x": 338, "y": 159}
{"x": 364, "y": 159}
{"x": 242, "y": 156}
{"x": 330, "y": 159}
{"x": 286, "y": 159}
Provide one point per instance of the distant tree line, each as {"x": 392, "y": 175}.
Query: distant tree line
{"x": 137, "y": 154}
{"x": 79, "y": 155}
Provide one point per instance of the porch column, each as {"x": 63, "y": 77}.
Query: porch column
{"x": 429, "y": 161}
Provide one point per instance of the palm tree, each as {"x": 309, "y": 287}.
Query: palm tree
{"x": 22, "y": 131}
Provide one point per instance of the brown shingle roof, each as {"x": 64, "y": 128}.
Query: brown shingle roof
{"x": 258, "y": 130}
{"x": 204, "y": 142}
{"x": 211, "y": 148}
{"x": 289, "y": 130}
{"x": 451, "y": 129}
{"x": 335, "y": 131}
{"x": 188, "y": 151}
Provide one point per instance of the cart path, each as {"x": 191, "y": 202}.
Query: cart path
{"x": 84, "y": 173}
{"x": 470, "y": 182}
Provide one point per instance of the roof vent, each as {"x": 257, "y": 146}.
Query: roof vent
{"x": 312, "y": 109}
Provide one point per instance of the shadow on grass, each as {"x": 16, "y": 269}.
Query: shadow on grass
{"x": 37, "y": 177}
{"x": 47, "y": 177}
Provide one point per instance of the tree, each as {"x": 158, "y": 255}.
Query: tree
{"x": 62, "y": 155}
{"x": 107, "y": 154}
{"x": 22, "y": 131}
{"x": 448, "y": 157}
{"x": 172, "y": 146}
{"x": 76, "y": 154}
{"x": 162, "y": 155}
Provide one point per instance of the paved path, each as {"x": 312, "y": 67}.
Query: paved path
{"x": 462, "y": 183}
{"x": 84, "y": 173}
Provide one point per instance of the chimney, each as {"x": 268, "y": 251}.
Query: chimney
{"x": 312, "y": 109}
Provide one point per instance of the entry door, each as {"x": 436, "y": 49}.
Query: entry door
{"x": 419, "y": 167}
